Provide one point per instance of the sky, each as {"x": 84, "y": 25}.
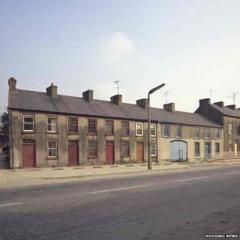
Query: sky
{"x": 191, "y": 46}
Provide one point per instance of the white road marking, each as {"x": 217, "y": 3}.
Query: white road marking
{"x": 190, "y": 179}
{"x": 120, "y": 189}
{"x": 10, "y": 204}
{"x": 230, "y": 173}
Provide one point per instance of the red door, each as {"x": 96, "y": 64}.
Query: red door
{"x": 73, "y": 153}
{"x": 110, "y": 152}
{"x": 28, "y": 155}
{"x": 140, "y": 155}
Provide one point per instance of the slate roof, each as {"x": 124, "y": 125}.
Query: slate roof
{"x": 40, "y": 101}
{"x": 227, "y": 111}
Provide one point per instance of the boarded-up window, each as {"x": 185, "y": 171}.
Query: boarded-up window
{"x": 73, "y": 124}
{"x": 92, "y": 149}
{"x": 125, "y": 149}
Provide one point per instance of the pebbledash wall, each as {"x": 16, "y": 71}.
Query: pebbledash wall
{"x": 180, "y": 139}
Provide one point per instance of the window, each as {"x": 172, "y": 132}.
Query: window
{"x": 52, "y": 148}
{"x": 153, "y": 149}
{"x": 125, "y": 149}
{"x": 207, "y": 133}
{"x": 52, "y": 124}
{"x": 218, "y": 133}
{"x": 92, "y": 126}
{"x": 139, "y": 129}
{"x": 179, "y": 131}
{"x": 28, "y": 123}
{"x": 166, "y": 130}
{"x": 109, "y": 127}
{"x": 153, "y": 130}
{"x": 197, "y": 132}
{"x": 230, "y": 128}
{"x": 197, "y": 149}
{"x": 230, "y": 147}
{"x": 125, "y": 128}
{"x": 217, "y": 148}
{"x": 73, "y": 124}
{"x": 92, "y": 149}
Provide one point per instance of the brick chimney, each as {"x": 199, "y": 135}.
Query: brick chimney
{"x": 88, "y": 95}
{"x": 116, "y": 99}
{"x": 170, "y": 107}
{"x": 204, "y": 101}
{"x": 143, "y": 103}
{"x": 233, "y": 106}
{"x": 220, "y": 104}
{"x": 12, "y": 82}
{"x": 52, "y": 90}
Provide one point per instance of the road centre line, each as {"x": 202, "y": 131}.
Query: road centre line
{"x": 10, "y": 204}
{"x": 190, "y": 179}
{"x": 120, "y": 189}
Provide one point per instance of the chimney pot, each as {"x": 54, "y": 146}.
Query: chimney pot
{"x": 116, "y": 99}
{"x": 170, "y": 107}
{"x": 233, "y": 106}
{"x": 88, "y": 95}
{"x": 52, "y": 90}
{"x": 220, "y": 104}
{"x": 143, "y": 103}
{"x": 12, "y": 82}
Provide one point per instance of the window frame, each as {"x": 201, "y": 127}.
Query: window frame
{"x": 52, "y": 117}
{"x": 141, "y": 129}
{"x": 219, "y": 148}
{"x": 155, "y": 149}
{"x": 169, "y": 130}
{"x": 72, "y": 131}
{"x": 111, "y": 132}
{"x": 181, "y": 131}
{"x": 33, "y": 123}
{"x": 123, "y": 153}
{"x": 90, "y": 155}
{"x": 230, "y": 129}
{"x": 207, "y": 130}
{"x": 95, "y": 126}
{"x": 197, "y": 154}
{"x": 56, "y": 149}
{"x": 218, "y": 133}
{"x": 197, "y": 130}
{"x": 125, "y": 123}
{"x": 153, "y": 126}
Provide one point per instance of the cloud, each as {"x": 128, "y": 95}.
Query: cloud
{"x": 116, "y": 47}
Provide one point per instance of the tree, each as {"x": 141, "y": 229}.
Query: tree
{"x": 4, "y": 131}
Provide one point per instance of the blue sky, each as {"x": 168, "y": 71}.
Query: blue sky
{"x": 192, "y": 46}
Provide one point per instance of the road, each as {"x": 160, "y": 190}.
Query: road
{"x": 180, "y": 205}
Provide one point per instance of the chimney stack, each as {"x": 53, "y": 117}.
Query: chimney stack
{"x": 116, "y": 99}
{"x": 170, "y": 107}
{"x": 88, "y": 95}
{"x": 143, "y": 103}
{"x": 12, "y": 82}
{"x": 233, "y": 106}
{"x": 204, "y": 101}
{"x": 220, "y": 104}
{"x": 52, "y": 90}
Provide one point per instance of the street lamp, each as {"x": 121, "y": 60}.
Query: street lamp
{"x": 149, "y": 122}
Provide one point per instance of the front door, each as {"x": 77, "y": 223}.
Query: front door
{"x": 178, "y": 150}
{"x": 110, "y": 152}
{"x": 28, "y": 154}
{"x": 140, "y": 152}
{"x": 73, "y": 153}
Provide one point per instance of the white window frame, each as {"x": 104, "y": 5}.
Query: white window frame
{"x": 230, "y": 129}
{"x": 55, "y": 148}
{"x": 153, "y": 126}
{"x": 141, "y": 128}
{"x": 52, "y": 131}
{"x": 33, "y": 123}
{"x": 155, "y": 149}
{"x": 179, "y": 126}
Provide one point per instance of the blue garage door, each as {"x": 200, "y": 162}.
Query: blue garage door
{"x": 178, "y": 150}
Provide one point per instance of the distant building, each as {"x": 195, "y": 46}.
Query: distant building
{"x": 48, "y": 129}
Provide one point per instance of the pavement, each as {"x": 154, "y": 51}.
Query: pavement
{"x": 188, "y": 204}
{"x": 39, "y": 176}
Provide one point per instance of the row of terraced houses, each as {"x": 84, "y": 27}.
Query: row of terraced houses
{"x": 49, "y": 129}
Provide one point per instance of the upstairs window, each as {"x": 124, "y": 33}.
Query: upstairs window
{"x": 73, "y": 124}
{"x": 92, "y": 126}
{"x": 28, "y": 123}
{"x": 153, "y": 130}
{"x": 179, "y": 131}
{"x": 197, "y": 132}
{"x": 109, "y": 127}
{"x": 166, "y": 130}
{"x": 52, "y": 124}
{"x": 218, "y": 133}
{"x": 139, "y": 129}
{"x": 207, "y": 133}
{"x": 125, "y": 128}
{"x": 230, "y": 128}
